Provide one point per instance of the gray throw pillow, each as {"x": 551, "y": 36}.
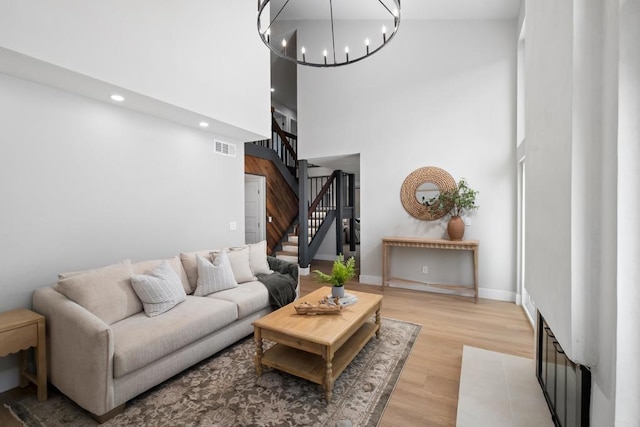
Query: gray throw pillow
{"x": 160, "y": 290}
{"x": 216, "y": 276}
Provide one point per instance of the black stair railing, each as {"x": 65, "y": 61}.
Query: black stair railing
{"x": 329, "y": 198}
{"x": 284, "y": 144}
{"x": 325, "y": 190}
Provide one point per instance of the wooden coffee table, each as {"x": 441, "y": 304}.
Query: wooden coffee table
{"x": 317, "y": 348}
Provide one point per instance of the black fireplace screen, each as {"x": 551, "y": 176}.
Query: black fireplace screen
{"x": 566, "y": 385}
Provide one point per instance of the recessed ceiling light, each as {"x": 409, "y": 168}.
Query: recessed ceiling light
{"x": 117, "y": 98}
{"x": 204, "y": 124}
{"x": 273, "y": 90}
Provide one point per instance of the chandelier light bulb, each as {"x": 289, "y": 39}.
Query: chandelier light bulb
{"x": 277, "y": 16}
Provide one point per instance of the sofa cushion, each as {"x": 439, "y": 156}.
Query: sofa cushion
{"x": 190, "y": 265}
{"x": 140, "y": 340}
{"x": 239, "y": 258}
{"x": 249, "y": 297}
{"x": 106, "y": 292}
{"x": 258, "y": 258}
{"x": 75, "y": 273}
{"x": 144, "y": 267}
{"x": 214, "y": 277}
{"x": 160, "y": 290}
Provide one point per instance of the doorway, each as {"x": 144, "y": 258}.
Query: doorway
{"x": 255, "y": 201}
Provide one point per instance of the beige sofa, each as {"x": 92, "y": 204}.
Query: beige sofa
{"x": 104, "y": 349}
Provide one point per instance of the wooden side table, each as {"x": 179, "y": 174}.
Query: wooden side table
{"x": 425, "y": 243}
{"x": 20, "y": 330}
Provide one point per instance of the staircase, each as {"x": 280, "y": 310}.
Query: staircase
{"x": 326, "y": 199}
{"x": 321, "y": 200}
{"x": 289, "y": 250}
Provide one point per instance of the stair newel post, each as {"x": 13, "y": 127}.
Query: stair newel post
{"x": 339, "y": 206}
{"x": 303, "y": 215}
{"x": 351, "y": 183}
{"x": 274, "y": 134}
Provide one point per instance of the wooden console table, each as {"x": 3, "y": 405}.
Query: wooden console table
{"x": 423, "y": 243}
{"x": 20, "y": 330}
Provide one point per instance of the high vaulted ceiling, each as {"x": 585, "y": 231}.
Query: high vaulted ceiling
{"x": 372, "y": 9}
{"x": 411, "y": 9}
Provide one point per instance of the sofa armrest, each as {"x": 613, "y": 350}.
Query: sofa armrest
{"x": 80, "y": 351}
{"x": 286, "y": 267}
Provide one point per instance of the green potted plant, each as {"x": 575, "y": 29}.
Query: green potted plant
{"x": 460, "y": 199}
{"x": 341, "y": 272}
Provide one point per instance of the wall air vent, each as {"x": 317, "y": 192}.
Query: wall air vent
{"x": 225, "y": 148}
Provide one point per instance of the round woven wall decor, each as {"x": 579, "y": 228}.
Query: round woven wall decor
{"x": 430, "y": 174}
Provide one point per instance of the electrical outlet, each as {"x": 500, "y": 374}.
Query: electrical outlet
{"x": 233, "y": 226}
{"x": 425, "y": 269}
{"x": 467, "y": 221}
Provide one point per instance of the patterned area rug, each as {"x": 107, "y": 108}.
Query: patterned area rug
{"x": 223, "y": 390}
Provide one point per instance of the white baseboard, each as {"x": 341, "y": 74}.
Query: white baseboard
{"x": 497, "y": 295}
{"x": 370, "y": 280}
{"x": 493, "y": 294}
{"x": 9, "y": 378}
{"x": 531, "y": 321}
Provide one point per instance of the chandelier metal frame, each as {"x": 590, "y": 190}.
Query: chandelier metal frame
{"x": 281, "y": 50}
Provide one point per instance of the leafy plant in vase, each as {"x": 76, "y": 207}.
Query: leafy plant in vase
{"x": 341, "y": 272}
{"x": 460, "y": 199}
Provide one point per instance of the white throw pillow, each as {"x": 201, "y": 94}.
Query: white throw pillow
{"x": 258, "y": 258}
{"x": 239, "y": 259}
{"x": 214, "y": 277}
{"x": 160, "y": 290}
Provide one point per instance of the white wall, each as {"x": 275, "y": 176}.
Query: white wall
{"x": 442, "y": 93}
{"x": 85, "y": 183}
{"x": 627, "y": 392}
{"x": 193, "y": 54}
{"x": 582, "y": 144}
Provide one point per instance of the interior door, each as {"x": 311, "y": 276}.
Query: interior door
{"x": 254, "y": 208}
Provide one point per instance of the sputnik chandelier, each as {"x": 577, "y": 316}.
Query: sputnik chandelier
{"x": 327, "y": 33}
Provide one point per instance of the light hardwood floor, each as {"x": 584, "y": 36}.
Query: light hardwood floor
{"x": 427, "y": 391}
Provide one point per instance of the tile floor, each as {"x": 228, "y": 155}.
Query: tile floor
{"x": 499, "y": 390}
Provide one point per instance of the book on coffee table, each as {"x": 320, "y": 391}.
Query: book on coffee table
{"x": 347, "y": 299}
